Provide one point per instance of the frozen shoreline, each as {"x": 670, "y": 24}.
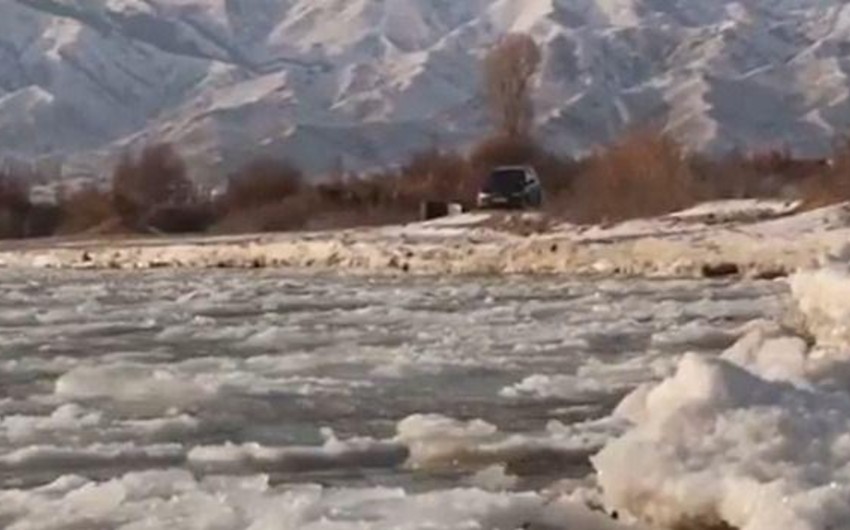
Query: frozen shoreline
{"x": 755, "y": 239}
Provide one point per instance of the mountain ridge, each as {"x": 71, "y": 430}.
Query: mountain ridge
{"x": 364, "y": 83}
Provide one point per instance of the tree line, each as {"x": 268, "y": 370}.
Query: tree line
{"x": 645, "y": 172}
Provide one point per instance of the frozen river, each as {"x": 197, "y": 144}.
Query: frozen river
{"x": 231, "y": 400}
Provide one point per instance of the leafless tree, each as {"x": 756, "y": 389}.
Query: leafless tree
{"x": 262, "y": 182}
{"x": 156, "y": 178}
{"x": 510, "y": 68}
{"x": 154, "y": 192}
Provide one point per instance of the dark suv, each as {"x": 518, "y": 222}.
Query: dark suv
{"x": 511, "y": 187}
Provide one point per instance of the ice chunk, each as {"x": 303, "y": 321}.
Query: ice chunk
{"x": 334, "y": 454}
{"x": 775, "y": 356}
{"x": 494, "y": 478}
{"x": 439, "y": 442}
{"x": 593, "y": 380}
{"x": 20, "y": 428}
{"x": 54, "y": 456}
{"x": 133, "y": 382}
{"x": 716, "y": 443}
{"x": 823, "y": 299}
{"x": 434, "y": 439}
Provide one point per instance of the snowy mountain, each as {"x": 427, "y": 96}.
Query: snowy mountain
{"x": 357, "y": 83}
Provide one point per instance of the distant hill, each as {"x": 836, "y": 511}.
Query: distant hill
{"x": 358, "y": 83}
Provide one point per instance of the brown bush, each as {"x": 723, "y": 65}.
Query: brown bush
{"x": 157, "y": 178}
{"x": 14, "y": 206}
{"x": 84, "y": 209}
{"x": 291, "y": 213}
{"x": 773, "y": 173}
{"x": 435, "y": 176}
{"x": 734, "y": 176}
{"x": 181, "y": 218}
{"x": 43, "y": 220}
{"x": 644, "y": 174}
{"x": 830, "y": 183}
{"x": 262, "y": 182}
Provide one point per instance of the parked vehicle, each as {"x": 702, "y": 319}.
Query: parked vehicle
{"x": 515, "y": 187}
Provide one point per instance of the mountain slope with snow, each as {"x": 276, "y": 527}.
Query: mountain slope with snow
{"x": 356, "y": 83}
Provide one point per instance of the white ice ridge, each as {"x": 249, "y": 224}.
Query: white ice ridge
{"x": 758, "y": 439}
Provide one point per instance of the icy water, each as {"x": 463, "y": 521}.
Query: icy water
{"x": 265, "y": 400}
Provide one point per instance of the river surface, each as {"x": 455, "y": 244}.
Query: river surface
{"x": 266, "y": 400}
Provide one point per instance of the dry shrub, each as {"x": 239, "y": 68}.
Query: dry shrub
{"x": 156, "y": 181}
{"x": 84, "y": 209}
{"x": 291, "y": 213}
{"x": 732, "y": 177}
{"x": 43, "y": 220}
{"x": 772, "y": 173}
{"x": 644, "y": 174}
{"x": 187, "y": 218}
{"x": 434, "y": 176}
{"x": 14, "y": 206}
{"x": 262, "y": 182}
{"x": 831, "y": 184}
{"x": 265, "y": 196}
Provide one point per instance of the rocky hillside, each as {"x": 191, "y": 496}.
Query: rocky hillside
{"x": 359, "y": 83}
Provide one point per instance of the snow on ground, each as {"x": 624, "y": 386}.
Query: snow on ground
{"x": 738, "y": 238}
{"x": 737, "y": 210}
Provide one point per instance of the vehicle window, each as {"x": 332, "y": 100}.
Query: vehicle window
{"x": 505, "y": 181}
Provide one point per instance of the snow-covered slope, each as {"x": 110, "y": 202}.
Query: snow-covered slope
{"x": 358, "y": 83}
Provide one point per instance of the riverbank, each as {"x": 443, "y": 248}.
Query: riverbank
{"x": 756, "y": 239}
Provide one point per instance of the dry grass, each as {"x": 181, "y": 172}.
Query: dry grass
{"x": 832, "y": 183}
{"x": 291, "y": 213}
{"x": 644, "y": 174}
{"x": 84, "y": 209}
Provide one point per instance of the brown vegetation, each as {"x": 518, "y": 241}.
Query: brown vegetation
{"x": 14, "y": 205}
{"x": 84, "y": 210}
{"x": 833, "y": 183}
{"x": 510, "y": 67}
{"x": 643, "y": 174}
{"x": 153, "y": 193}
{"x": 646, "y": 173}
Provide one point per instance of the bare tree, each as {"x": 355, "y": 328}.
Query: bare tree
{"x": 262, "y": 182}
{"x": 510, "y": 67}
{"x": 157, "y": 176}
{"x": 155, "y": 180}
